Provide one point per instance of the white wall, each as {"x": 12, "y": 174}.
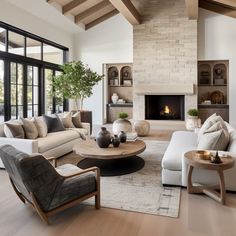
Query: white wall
{"x": 108, "y": 42}
{"x": 22, "y": 19}
{"x": 216, "y": 41}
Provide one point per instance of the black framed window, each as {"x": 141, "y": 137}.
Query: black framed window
{"x": 27, "y": 62}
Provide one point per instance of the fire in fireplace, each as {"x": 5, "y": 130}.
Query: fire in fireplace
{"x": 164, "y": 107}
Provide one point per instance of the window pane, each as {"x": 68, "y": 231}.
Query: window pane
{"x": 13, "y": 94}
{"x": 1, "y": 91}
{"x": 13, "y": 73}
{"x": 36, "y": 88}
{"x": 13, "y": 112}
{"x": 19, "y": 74}
{"x": 48, "y": 92}
{"x": 20, "y": 111}
{"x": 29, "y": 111}
{"x": 36, "y": 76}
{"x": 30, "y": 75}
{"x": 36, "y": 110}
{"x": 16, "y": 43}
{"x": 52, "y": 54}
{"x": 2, "y": 39}
{"x": 33, "y": 48}
{"x": 20, "y": 95}
{"x": 29, "y": 94}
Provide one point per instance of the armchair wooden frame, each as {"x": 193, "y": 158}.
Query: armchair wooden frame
{"x": 44, "y": 215}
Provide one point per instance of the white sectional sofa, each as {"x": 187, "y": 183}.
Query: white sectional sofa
{"x": 174, "y": 168}
{"x": 55, "y": 144}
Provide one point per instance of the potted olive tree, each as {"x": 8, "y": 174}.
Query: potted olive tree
{"x": 192, "y": 120}
{"x": 75, "y": 82}
{"x": 122, "y": 124}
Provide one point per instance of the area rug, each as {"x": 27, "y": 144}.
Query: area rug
{"x": 142, "y": 191}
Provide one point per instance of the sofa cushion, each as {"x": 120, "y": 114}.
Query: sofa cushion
{"x": 181, "y": 141}
{"x": 56, "y": 139}
{"x": 232, "y": 138}
{"x": 66, "y": 120}
{"x": 14, "y": 130}
{"x": 31, "y": 131}
{"x": 76, "y": 119}
{"x": 215, "y": 137}
{"x": 54, "y": 123}
{"x": 41, "y": 126}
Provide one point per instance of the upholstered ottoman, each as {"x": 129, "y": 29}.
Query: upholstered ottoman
{"x": 142, "y": 127}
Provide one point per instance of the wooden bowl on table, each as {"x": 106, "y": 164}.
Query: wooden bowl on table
{"x": 203, "y": 154}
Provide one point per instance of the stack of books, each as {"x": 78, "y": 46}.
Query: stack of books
{"x": 132, "y": 136}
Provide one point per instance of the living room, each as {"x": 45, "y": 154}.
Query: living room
{"x": 169, "y": 44}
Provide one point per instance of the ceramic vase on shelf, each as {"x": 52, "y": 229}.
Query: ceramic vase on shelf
{"x": 103, "y": 138}
{"x": 114, "y": 98}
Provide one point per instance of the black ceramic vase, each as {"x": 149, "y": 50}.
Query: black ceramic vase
{"x": 116, "y": 141}
{"x": 122, "y": 136}
{"x": 103, "y": 138}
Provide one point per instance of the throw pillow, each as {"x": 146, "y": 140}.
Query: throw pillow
{"x": 41, "y": 126}
{"x": 208, "y": 123}
{"x": 76, "y": 119}
{"x": 66, "y": 120}
{"x": 54, "y": 123}
{"x": 30, "y": 128}
{"x": 215, "y": 137}
{"x": 14, "y": 130}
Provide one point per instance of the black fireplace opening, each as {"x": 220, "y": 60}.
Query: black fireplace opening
{"x": 164, "y": 107}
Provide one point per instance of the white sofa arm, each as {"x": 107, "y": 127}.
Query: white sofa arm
{"x": 25, "y": 145}
{"x": 86, "y": 126}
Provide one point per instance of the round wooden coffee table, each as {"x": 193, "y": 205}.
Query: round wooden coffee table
{"x": 112, "y": 161}
{"x": 195, "y": 162}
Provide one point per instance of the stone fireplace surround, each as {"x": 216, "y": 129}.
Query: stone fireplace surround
{"x": 164, "y": 54}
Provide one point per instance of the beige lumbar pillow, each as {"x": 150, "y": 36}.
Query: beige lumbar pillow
{"x": 76, "y": 119}
{"x": 14, "y": 130}
{"x": 66, "y": 120}
{"x": 216, "y": 137}
{"x": 30, "y": 128}
{"x": 41, "y": 126}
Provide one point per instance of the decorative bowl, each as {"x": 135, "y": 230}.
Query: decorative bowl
{"x": 203, "y": 154}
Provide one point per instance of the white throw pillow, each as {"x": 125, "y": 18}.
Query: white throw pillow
{"x": 41, "y": 126}
{"x": 216, "y": 137}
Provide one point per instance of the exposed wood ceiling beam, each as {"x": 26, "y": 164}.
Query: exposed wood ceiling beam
{"x": 192, "y": 9}
{"x": 128, "y": 10}
{"x": 227, "y": 3}
{"x": 92, "y": 10}
{"x": 101, "y": 19}
{"x": 208, "y": 5}
{"x": 71, "y": 5}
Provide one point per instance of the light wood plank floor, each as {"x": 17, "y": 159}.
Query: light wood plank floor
{"x": 199, "y": 215}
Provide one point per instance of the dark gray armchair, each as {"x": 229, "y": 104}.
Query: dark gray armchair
{"x": 48, "y": 189}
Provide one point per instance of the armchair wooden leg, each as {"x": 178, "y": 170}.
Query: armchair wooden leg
{"x": 97, "y": 200}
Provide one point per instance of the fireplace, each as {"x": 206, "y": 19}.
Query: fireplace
{"x": 164, "y": 107}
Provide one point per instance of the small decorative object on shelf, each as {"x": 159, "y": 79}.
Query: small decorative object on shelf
{"x": 216, "y": 159}
{"x": 115, "y": 141}
{"x": 122, "y": 136}
{"x": 103, "y": 138}
{"x": 114, "y": 98}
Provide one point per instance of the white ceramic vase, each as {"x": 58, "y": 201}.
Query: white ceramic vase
{"x": 121, "y": 125}
{"x": 192, "y": 122}
{"x": 114, "y": 98}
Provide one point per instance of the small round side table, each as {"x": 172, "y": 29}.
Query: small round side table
{"x": 195, "y": 162}
{"x": 142, "y": 127}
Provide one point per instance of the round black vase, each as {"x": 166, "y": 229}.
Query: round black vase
{"x": 122, "y": 136}
{"x": 103, "y": 138}
{"x": 116, "y": 141}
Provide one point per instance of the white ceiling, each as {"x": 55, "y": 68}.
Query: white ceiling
{"x": 48, "y": 13}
